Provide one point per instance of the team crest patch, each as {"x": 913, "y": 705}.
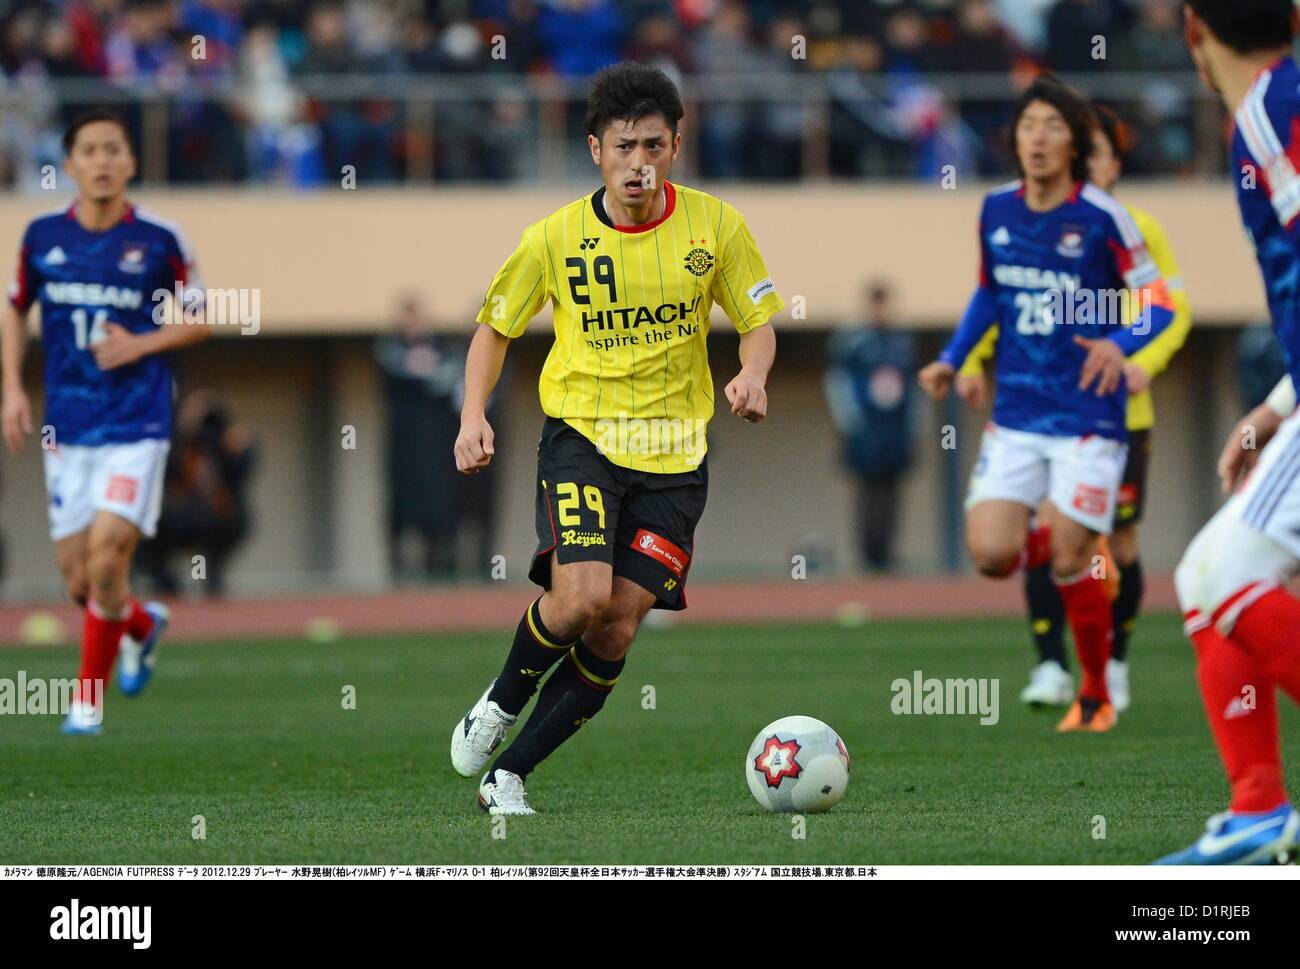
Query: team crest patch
{"x": 699, "y": 261}
{"x": 1090, "y": 500}
{"x": 121, "y": 488}
{"x": 1070, "y": 245}
{"x": 132, "y": 260}
{"x": 662, "y": 551}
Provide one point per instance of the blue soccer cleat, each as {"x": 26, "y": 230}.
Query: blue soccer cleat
{"x": 1243, "y": 838}
{"x": 136, "y": 660}
{"x": 82, "y": 720}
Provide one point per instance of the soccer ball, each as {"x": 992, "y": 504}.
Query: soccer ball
{"x": 797, "y": 764}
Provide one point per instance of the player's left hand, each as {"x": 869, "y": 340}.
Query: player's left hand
{"x": 1135, "y": 377}
{"x": 748, "y": 397}
{"x": 118, "y": 348}
{"x": 1104, "y": 364}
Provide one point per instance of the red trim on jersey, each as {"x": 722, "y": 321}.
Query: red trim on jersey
{"x": 127, "y": 216}
{"x": 670, "y": 203}
{"x": 179, "y": 268}
{"x": 22, "y": 299}
{"x": 1074, "y": 196}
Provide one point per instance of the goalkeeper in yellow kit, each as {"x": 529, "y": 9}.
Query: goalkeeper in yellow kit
{"x": 631, "y": 272}
{"x": 1050, "y": 683}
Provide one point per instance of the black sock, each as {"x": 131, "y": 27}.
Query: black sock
{"x": 1046, "y": 614}
{"x": 1125, "y": 608}
{"x": 533, "y": 652}
{"x": 573, "y": 694}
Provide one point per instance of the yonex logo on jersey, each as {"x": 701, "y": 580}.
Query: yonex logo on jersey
{"x": 94, "y": 294}
{"x": 589, "y": 243}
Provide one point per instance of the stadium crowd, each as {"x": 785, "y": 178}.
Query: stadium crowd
{"x": 247, "y": 82}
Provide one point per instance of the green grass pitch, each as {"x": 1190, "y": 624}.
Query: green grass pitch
{"x": 253, "y": 736}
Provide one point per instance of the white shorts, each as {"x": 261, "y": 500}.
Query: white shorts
{"x": 1251, "y": 544}
{"x": 125, "y": 479}
{"x": 1081, "y": 475}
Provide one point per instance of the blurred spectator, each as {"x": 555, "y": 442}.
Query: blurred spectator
{"x": 723, "y": 50}
{"x": 205, "y": 494}
{"x": 873, "y": 60}
{"x": 1260, "y": 364}
{"x": 869, "y": 387}
{"x": 1073, "y": 29}
{"x": 579, "y": 37}
{"x": 423, "y": 377}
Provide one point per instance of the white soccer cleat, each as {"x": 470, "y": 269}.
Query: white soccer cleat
{"x": 1050, "y": 685}
{"x": 479, "y": 734}
{"x": 504, "y": 794}
{"x": 1117, "y": 684}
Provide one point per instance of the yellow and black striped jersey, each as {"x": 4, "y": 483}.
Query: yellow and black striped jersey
{"x": 629, "y": 368}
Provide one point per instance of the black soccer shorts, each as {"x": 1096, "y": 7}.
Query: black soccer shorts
{"x": 1132, "y": 499}
{"x": 591, "y": 510}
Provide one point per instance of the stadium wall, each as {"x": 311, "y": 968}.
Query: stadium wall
{"x": 776, "y": 489}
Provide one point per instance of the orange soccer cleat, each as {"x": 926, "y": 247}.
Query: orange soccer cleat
{"x": 1088, "y": 716}
{"x": 1109, "y": 570}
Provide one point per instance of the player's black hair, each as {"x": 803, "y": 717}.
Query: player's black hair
{"x": 91, "y": 117}
{"x": 1114, "y": 130}
{"x": 629, "y": 91}
{"x": 1247, "y": 26}
{"x": 1074, "y": 109}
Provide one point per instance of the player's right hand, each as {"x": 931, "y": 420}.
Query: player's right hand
{"x": 936, "y": 378}
{"x": 15, "y": 419}
{"x": 474, "y": 445}
{"x": 974, "y": 389}
{"x": 1242, "y": 448}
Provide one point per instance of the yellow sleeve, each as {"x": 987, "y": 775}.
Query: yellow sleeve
{"x": 1155, "y": 356}
{"x": 974, "y": 365}
{"x": 518, "y": 290}
{"x": 742, "y": 285}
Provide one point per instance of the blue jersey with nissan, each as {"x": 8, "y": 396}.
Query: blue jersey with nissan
{"x": 1266, "y": 157}
{"x": 1045, "y": 278}
{"x": 83, "y": 280}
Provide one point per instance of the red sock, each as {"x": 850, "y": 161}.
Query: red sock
{"x": 1269, "y": 630}
{"x": 1037, "y": 551}
{"x": 1088, "y": 608}
{"x": 99, "y": 641}
{"x": 139, "y": 624}
{"x": 1241, "y": 705}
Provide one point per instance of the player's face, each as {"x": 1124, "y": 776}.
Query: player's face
{"x": 1103, "y": 163}
{"x": 634, "y": 159}
{"x": 1044, "y": 142}
{"x": 100, "y": 162}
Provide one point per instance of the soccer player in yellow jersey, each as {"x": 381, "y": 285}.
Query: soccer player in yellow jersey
{"x": 1050, "y": 683}
{"x": 631, "y": 273}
